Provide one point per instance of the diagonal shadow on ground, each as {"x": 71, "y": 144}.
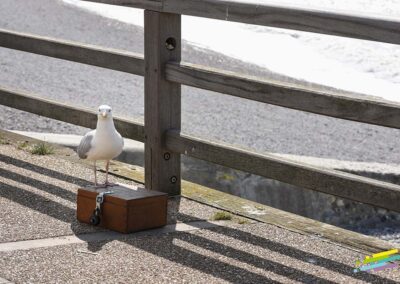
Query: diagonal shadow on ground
{"x": 179, "y": 255}
{"x": 168, "y": 250}
{"x": 44, "y": 186}
{"x": 44, "y": 171}
{"x": 37, "y": 202}
{"x": 45, "y": 206}
{"x": 294, "y": 253}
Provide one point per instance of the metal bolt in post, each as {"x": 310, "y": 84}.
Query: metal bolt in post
{"x": 173, "y": 179}
{"x": 170, "y": 43}
{"x": 167, "y": 156}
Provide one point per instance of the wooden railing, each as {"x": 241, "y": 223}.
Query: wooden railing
{"x": 164, "y": 73}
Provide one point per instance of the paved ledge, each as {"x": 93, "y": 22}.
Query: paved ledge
{"x": 133, "y": 150}
{"x": 311, "y": 204}
{"x": 40, "y": 240}
{"x": 136, "y": 150}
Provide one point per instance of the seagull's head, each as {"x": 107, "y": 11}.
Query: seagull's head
{"x": 105, "y": 112}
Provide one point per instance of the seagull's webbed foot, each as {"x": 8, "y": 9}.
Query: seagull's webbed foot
{"x": 99, "y": 185}
{"x": 110, "y": 184}
{"x": 105, "y": 185}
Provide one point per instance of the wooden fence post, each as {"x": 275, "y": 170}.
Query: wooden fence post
{"x": 162, "y": 101}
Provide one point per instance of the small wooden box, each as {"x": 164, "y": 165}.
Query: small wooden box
{"x": 128, "y": 209}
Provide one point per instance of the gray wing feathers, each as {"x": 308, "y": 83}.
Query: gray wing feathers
{"x": 85, "y": 145}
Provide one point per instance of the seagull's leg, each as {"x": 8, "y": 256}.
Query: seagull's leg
{"x": 95, "y": 173}
{"x": 107, "y": 167}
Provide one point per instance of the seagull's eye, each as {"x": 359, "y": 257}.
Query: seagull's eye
{"x": 109, "y": 110}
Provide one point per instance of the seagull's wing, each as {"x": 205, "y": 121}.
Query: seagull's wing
{"x": 122, "y": 139}
{"x": 85, "y": 145}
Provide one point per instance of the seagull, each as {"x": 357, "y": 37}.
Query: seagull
{"x": 103, "y": 143}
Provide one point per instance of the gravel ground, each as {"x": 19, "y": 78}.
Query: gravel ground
{"x": 255, "y": 253}
{"x": 37, "y": 198}
{"x": 254, "y": 125}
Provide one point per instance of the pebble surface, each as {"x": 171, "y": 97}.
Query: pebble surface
{"x": 255, "y": 253}
{"x": 206, "y": 114}
{"x": 37, "y": 197}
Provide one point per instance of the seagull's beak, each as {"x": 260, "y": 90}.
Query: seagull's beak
{"x": 104, "y": 114}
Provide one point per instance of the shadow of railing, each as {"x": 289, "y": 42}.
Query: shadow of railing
{"x": 165, "y": 246}
{"x": 44, "y": 171}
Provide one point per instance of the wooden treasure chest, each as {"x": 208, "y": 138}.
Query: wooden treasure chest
{"x": 122, "y": 208}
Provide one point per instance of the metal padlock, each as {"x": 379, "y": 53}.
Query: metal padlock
{"x": 95, "y": 218}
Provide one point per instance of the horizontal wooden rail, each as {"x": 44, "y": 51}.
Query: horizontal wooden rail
{"x": 350, "y": 107}
{"x": 311, "y": 99}
{"x": 67, "y": 113}
{"x": 344, "y": 24}
{"x": 332, "y": 182}
{"x": 83, "y": 53}
{"x": 155, "y": 5}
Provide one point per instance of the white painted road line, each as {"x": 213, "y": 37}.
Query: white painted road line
{"x": 103, "y": 236}
{"x": 4, "y": 281}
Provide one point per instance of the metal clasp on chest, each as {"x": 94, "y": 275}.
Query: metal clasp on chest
{"x": 95, "y": 218}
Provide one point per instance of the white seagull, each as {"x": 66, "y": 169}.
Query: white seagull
{"x": 103, "y": 143}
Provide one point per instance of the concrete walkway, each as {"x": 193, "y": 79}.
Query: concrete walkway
{"x": 41, "y": 241}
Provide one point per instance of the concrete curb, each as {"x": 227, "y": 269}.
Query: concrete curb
{"x": 133, "y": 150}
{"x": 134, "y": 153}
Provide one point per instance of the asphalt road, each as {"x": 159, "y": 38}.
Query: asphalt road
{"x": 205, "y": 114}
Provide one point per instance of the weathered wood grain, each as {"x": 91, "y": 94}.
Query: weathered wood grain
{"x": 67, "y": 113}
{"x": 154, "y": 5}
{"x": 310, "y": 99}
{"x": 283, "y": 16}
{"x": 280, "y": 218}
{"x": 349, "y": 186}
{"x": 162, "y": 102}
{"x": 82, "y": 53}
{"x": 353, "y": 25}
